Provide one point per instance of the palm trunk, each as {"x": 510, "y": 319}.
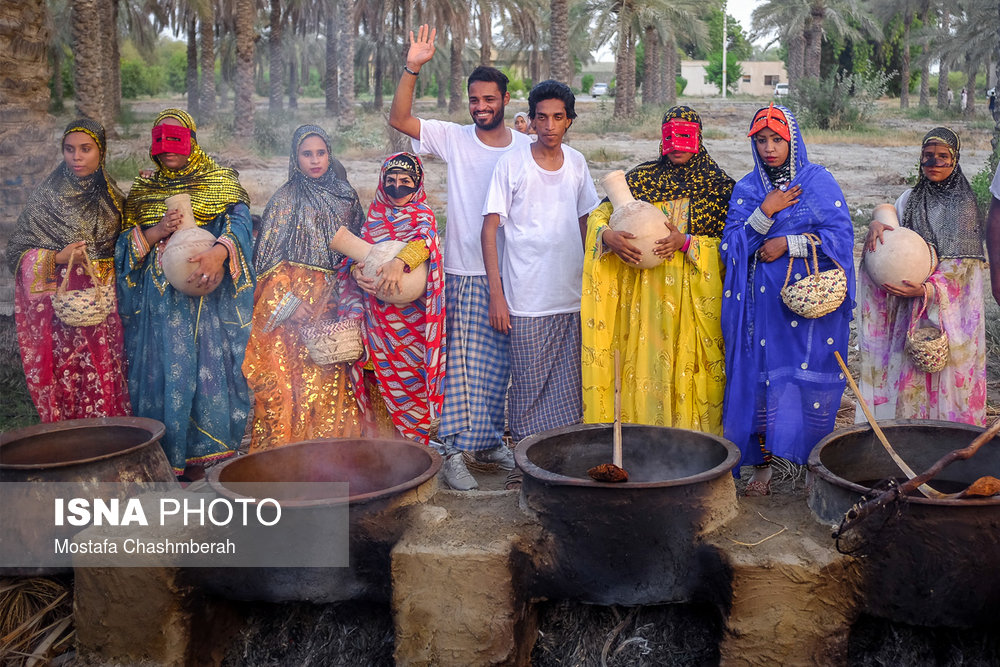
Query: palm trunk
{"x": 904, "y": 83}
{"x": 293, "y": 78}
{"x": 275, "y": 65}
{"x": 621, "y": 64}
{"x": 113, "y": 71}
{"x": 796, "y": 58}
{"x": 651, "y": 63}
{"x": 347, "y": 31}
{"x": 192, "y": 67}
{"x": 814, "y": 40}
{"x": 669, "y": 77}
{"x": 630, "y": 74}
{"x": 485, "y": 33}
{"x": 244, "y": 87}
{"x": 330, "y": 79}
{"x": 971, "y": 68}
{"x": 925, "y": 70}
{"x": 206, "y": 101}
{"x": 559, "y": 36}
{"x": 88, "y": 83}
{"x": 442, "y": 99}
{"x": 456, "y": 76}
{"x": 944, "y": 67}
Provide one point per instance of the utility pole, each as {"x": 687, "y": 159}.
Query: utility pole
{"x": 724, "y": 30}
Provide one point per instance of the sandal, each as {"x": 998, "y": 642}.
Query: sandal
{"x": 514, "y": 478}
{"x": 756, "y": 489}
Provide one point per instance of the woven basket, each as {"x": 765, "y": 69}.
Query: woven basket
{"x": 83, "y": 307}
{"x": 819, "y": 292}
{"x": 927, "y": 346}
{"x": 333, "y": 341}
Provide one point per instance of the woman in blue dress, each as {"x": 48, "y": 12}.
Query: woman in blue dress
{"x": 185, "y": 353}
{"x": 783, "y": 383}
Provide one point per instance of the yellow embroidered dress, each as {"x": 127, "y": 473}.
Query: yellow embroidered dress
{"x": 664, "y": 320}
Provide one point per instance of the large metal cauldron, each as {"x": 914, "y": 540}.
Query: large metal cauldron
{"x": 633, "y": 543}
{"x": 936, "y": 562}
{"x": 81, "y": 451}
{"x": 385, "y": 477}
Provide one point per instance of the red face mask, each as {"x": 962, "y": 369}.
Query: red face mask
{"x": 680, "y": 135}
{"x": 171, "y": 139}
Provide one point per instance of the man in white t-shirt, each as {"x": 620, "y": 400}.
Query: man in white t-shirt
{"x": 993, "y": 235}
{"x": 541, "y": 195}
{"x": 478, "y": 367}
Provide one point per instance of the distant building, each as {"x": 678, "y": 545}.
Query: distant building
{"x": 759, "y": 77}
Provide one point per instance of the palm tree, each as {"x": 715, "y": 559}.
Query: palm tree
{"x": 347, "y": 29}
{"x": 88, "y": 63}
{"x": 944, "y": 62}
{"x": 905, "y": 10}
{"x": 331, "y": 79}
{"x": 974, "y": 40}
{"x": 245, "y": 12}
{"x": 276, "y": 65}
{"x": 25, "y": 143}
{"x": 206, "y": 34}
{"x": 559, "y": 64}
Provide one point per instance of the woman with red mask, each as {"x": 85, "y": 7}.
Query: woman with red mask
{"x": 185, "y": 352}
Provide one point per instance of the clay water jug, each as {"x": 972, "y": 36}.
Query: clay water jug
{"x": 187, "y": 241}
{"x": 904, "y": 254}
{"x": 373, "y": 256}
{"x": 643, "y": 219}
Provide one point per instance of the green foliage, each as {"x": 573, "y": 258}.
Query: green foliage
{"x": 681, "y": 84}
{"x": 587, "y": 82}
{"x": 176, "y": 71}
{"x": 736, "y": 41}
{"x": 713, "y": 71}
{"x": 981, "y": 181}
{"x": 840, "y": 101}
{"x": 138, "y": 78}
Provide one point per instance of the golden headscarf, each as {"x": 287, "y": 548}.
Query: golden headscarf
{"x": 212, "y": 188}
{"x": 65, "y": 209}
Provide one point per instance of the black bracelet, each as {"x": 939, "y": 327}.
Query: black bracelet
{"x": 406, "y": 68}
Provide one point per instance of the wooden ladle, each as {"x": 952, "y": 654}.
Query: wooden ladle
{"x": 613, "y": 472}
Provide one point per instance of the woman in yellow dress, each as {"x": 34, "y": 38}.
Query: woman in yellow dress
{"x": 664, "y": 320}
{"x": 296, "y": 399}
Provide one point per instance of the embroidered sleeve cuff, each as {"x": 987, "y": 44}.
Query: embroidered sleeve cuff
{"x": 234, "y": 264}
{"x": 798, "y": 245}
{"x": 140, "y": 246}
{"x": 414, "y": 254}
{"x": 760, "y": 222}
{"x": 601, "y": 248}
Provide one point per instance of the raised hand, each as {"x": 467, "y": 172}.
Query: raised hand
{"x": 422, "y": 48}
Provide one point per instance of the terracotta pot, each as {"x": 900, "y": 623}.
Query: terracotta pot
{"x": 188, "y": 241}
{"x": 903, "y": 255}
{"x": 644, "y": 220}
{"x": 373, "y": 256}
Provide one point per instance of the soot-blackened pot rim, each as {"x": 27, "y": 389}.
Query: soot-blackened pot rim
{"x": 550, "y": 478}
{"x": 213, "y": 474}
{"x": 155, "y": 428}
{"x": 816, "y": 466}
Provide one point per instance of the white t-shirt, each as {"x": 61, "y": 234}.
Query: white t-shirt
{"x": 470, "y": 166}
{"x": 995, "y": 186}
{"x": 542, "y": 262}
